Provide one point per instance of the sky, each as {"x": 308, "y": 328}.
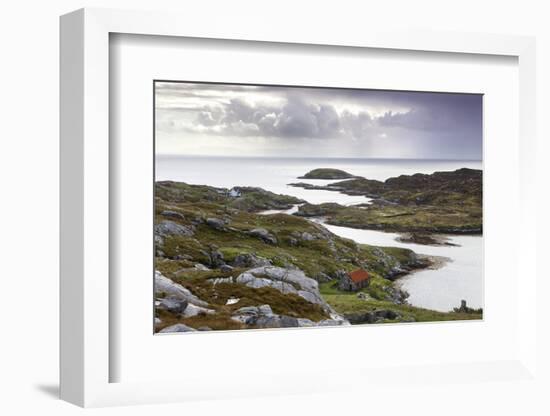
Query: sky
{"x": 277, "y": 121}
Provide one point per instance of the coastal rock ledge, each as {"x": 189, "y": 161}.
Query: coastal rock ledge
{"x": 286, "y": 281}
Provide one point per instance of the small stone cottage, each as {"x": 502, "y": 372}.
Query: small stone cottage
{"x": 354, "y": 280}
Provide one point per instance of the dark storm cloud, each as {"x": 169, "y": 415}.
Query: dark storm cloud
{"x": 296, "y": 118}
{"x": 450, "y": 122}
{"x": 438, "y": 112}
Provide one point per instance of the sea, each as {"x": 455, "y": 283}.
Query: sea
{"x": 442, "y": 289}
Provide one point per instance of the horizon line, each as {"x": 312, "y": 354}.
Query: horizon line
{"x": 312, "y": 157}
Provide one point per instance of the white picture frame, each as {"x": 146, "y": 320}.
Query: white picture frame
{"x": 85, "y": 211}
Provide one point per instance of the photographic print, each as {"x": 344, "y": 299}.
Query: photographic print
{"x": 292, "y": 207}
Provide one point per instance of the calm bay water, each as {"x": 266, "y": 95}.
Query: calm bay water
{"x": 441, "y": 289}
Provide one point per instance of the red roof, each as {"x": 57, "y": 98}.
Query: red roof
{"x": 359, "y": 275}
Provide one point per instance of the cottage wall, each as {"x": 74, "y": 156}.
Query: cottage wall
{"x": 347, "y": 284}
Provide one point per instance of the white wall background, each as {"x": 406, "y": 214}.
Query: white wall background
{"x": 29, "y": 175}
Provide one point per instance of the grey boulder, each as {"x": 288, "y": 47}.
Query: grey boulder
{"x": 173, "y": 305}
{"x": 172, "y": 289}
{"x": 171, "y": 228}
{"x": 172, "y": 214}
{"x": 194, "y": 310}
{"x": 264, "y": 235}
{"x": 250, "y": 260}
{"x": 276, "y": 321}
{"x": 177, "y": 328}
{"x": 215, "y": 223}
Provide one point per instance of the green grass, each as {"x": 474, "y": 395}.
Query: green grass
{"x": 348, "y": 302}
{"x": 410, "y": 218}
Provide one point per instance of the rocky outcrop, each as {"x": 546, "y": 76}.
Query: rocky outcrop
{"x": 177, "y": 328}
{"x": 372, "y": 317}
{"x": 425, "y": 239}
{"x": 215, "y": 223}
{"x": 264, "y": 235}
{"x": 442, "y": 202}
{"x": 175, "y": 290}
{"x": 396, "y": 295}
{"x": 194, "y": 310}
{"x": 172, "y": 214}
{"x": 263, "y": 317}
{"x": 391, "y": 267}
{"x": 216, "y": 258}
{"x": 250, "y": 314}
{"x": 253, "y": 199}
{"x": 173, "y": 305}
{"x": 250, "y": 260}
{"x": 169, "y": 228}
{"x": 181, "y": 307}
{"x": 286, "y": 281}
{"x": 320, "y": 210}
{"x": 178, "y": 300}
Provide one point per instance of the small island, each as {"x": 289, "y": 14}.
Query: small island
{"x": 327, "y": 173}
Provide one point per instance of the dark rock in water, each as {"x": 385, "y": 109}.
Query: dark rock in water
{"x": 173, "y": 305}
{"x": 395, "y": 272}
{"x": 204, "y": 328}
{"x": 177, "y": 328}
{"x": 168, "y": 228}
{"x": 425, "y": 239}
{"x": 250, "y": 260}
{"x": 464, "y": 308}
{"x": 172, "y": 214}
{"x": 215, "y": 223}
{"x": 264, "y": 235}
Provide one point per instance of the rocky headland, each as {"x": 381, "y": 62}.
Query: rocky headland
{"x": 442, "y": 202}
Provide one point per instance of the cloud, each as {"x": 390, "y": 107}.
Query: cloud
{"x": 390, "y": 123}
{"x": 294, "y": 119}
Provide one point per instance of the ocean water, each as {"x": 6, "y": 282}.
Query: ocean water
{"x": 441, "y": 289}
{"x": 274, "y": 174}
{"x": 461, "y": 277}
